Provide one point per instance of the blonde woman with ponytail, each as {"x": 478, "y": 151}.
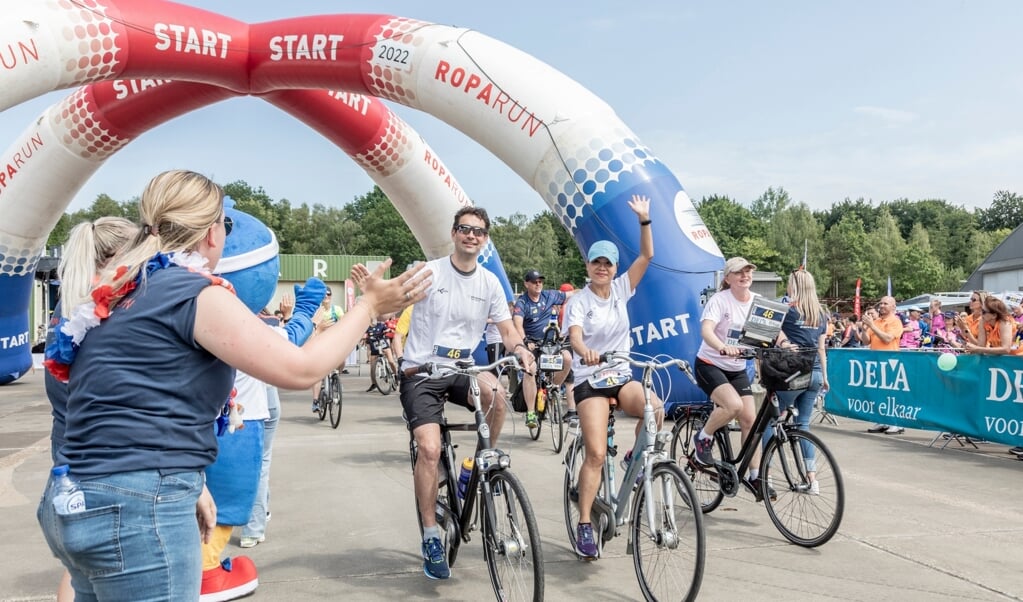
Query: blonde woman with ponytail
{"x": 148, "y": 359}
{"x": 805, "y": 326}
{"x": 89, "y": 246}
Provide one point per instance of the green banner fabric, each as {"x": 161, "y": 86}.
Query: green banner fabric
{"x": 976, "y": 395}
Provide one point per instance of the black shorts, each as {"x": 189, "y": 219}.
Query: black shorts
{"x": 710, "y": 377}
{"x": 584, "y": 391}
{"x": 423, "y": 398}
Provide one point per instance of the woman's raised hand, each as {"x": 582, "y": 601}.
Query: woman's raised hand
{"x": 640, "y": 205}
{"x": 391, "y": 296}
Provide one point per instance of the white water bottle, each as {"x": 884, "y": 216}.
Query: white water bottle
{"x": 68, "y": 497}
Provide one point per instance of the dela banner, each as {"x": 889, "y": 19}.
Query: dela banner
{"x": 980, "y": 396}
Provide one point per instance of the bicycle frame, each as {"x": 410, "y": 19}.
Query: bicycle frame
{"x": 650, "y": 448}
{"x": 486, "y": 458}
{"x": 767, "y": 412}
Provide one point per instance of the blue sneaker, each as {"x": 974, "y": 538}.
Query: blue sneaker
{"x": 435, "y": 565}
{"x": 702, "y": 450}
{"x": 585, "y": 544}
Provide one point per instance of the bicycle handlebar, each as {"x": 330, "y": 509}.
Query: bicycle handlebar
{"x": 624, "y": 356}
{"x": 464, "y": 367}
{"x": 749, "y": 353}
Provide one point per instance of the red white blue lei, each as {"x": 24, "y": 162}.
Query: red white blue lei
{"x": 71, "y": 330}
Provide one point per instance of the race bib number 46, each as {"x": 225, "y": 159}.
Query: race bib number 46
{"x": 451, "y": 354}
{"x": 605, "y": 379}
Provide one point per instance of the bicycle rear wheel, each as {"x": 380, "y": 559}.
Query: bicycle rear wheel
{"x": 806, "y": 512}
{"x": 669, "y": 552}
{"x": 335, "y": 400}
{"x": 511, "y": 540}
{"x": 556, "y": 419}
{"x": 703, "y": 478}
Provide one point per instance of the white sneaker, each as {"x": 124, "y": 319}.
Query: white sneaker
{"x": 250, "y": 542}
{"x": 815, "y": 487}
{"x": 894, "y": 430}
{"x": 878, "y": 428}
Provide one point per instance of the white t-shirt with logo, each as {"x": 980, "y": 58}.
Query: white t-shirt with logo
{"x": 605, "y": 324}
{"x": 452, "y": 317}
{"x": 729, "y": 315}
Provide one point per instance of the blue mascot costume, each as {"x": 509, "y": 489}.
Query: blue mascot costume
{"x": 238, "y": 477}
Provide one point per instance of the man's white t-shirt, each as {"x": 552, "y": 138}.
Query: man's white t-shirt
{"x": 452, "y": 317}
{"x": 729, "y": 315}
{"x": 605, "y": 324}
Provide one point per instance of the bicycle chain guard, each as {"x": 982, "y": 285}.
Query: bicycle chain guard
{"x": 603, "y": 515}
{"x": 728, "y": 478}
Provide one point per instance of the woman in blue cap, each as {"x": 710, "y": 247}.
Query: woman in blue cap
{"x": 596, "y": 322}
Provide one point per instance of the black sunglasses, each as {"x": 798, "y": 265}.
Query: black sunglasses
{"x": 228, "y": 225}
{"x": 476, "y": 230}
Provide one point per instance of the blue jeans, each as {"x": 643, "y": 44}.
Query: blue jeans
{"x": 803, "y": 400}
{"x": 138, "y": 538}
{"x": 256, "y": 526}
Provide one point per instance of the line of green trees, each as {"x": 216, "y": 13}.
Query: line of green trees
{"x": 924, "y": 246}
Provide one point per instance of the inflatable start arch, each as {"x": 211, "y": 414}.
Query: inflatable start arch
{"x": 563, "y": 140}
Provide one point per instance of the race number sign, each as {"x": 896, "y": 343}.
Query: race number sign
{"x": 763, "y": 322}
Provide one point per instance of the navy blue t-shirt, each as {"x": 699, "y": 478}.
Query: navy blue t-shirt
{"x": 536, "y": 315}
{"x": 802, "y": 334}
{"x": 143, "y": 394}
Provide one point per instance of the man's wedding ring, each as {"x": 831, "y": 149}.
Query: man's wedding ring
{"x": 408, "y": 296}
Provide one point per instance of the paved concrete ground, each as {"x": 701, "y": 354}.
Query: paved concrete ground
{"x": 920, "y": 523}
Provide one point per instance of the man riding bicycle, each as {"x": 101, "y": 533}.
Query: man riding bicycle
{"x": 445, "y": 327}
{"x": 379, "y": 337}
{"x": 534, "y": 310}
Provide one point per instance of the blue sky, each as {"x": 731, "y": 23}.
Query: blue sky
{"x": 829, "y": 100}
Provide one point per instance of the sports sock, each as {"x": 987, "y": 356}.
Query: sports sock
{"x": 431, "y": 532}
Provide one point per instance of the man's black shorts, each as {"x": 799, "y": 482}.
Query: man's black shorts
{"x": 423, "y": 398}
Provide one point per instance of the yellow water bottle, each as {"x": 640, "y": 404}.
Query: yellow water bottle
{"x": 541, "y": 399}
{"x": 463, "y": 477}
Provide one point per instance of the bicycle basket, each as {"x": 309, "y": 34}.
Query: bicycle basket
{"x": 785, "y": 369}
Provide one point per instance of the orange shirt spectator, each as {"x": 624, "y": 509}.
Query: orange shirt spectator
{"x": 883, "y": 332}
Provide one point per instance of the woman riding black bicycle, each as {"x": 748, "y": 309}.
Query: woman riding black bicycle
{"x": 720, "y": 373}
{"x": 596, "y": 321}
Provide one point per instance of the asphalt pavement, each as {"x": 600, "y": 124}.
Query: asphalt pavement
{"x": 921, "y": 523}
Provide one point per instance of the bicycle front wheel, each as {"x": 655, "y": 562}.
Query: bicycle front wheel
{"x": 573, "y": 464}
{"x": 668, "y": 552}
{"x": 392, "y": 379}
{"x": 511, "y": 540}
{"x": 324, "y": 400}
{"x": 556, "y": 419}
{"x": 810, "y": 491}
{"x": 703, "y": 478}
{"x": 335, "y": 400}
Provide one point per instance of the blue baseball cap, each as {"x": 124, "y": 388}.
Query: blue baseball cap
{"x": 603, "y": 248}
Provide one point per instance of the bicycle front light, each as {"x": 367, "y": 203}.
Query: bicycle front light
{"x": 494, "y": 458}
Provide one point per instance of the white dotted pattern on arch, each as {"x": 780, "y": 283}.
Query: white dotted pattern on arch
{"x": 391, "y": 152}
{"x": 602, "y": 160}
{"x": 86, "y": 22}
{"x": 83, "y": 135}
{"x": 388, "y": 82}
